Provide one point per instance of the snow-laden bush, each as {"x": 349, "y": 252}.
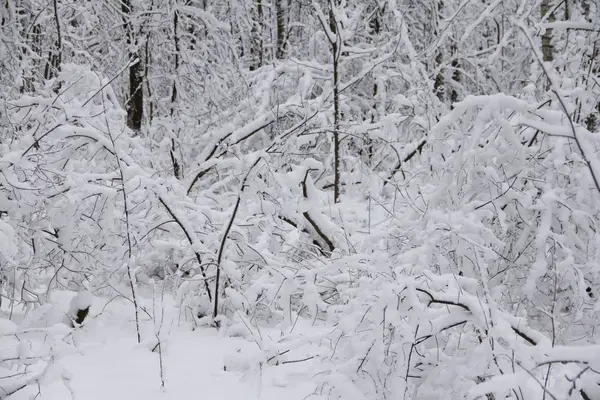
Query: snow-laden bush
{"x": 423, "y": 281}
{"x": 435, "y": 293}
{"x": 33, "y": 344}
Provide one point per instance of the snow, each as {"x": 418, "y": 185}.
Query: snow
{"x": 7, "y": 327}
{"x": 7, "y": 243}
{"x": 498, "y": 384}
{"x": 105, "y": 362}
{"x": 571, "y": 25}
{"x": 463, "y": 269}
{"x": 83, "y": 300}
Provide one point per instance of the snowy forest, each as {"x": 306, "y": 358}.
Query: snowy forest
{"x": 299, "y": 199}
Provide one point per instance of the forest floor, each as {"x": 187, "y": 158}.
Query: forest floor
{"x": 102, "y": 360}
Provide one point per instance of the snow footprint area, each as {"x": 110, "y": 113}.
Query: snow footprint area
{"x": 193, "y": 365}
{"x": 127, "y": 371}
{"x": 106, "y": 362}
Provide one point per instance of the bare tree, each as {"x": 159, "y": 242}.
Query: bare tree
{"x": 336, "y": 52}
{"x": 135, "y": 102}
{"x": 176, "y": 166}
{"x": 280, "y": 13}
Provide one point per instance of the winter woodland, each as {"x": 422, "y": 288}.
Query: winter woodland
{"x": 300, "y": 199}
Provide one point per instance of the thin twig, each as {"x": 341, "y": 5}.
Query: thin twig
{"x": 189, "y": 238}
{"x": 130, "y": 275}
{"x": 226, "y": 233}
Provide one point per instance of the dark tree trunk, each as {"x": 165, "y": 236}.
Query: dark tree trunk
{"x": 547, "y": 47}
{"x": 176, "y": 166}
{"x": 135, "y": 104}
{"x": 256, "y": 49}
{"x": 55, "y": 54}
{"x": 335, "y": 51}
{"x": 281, "y": 18}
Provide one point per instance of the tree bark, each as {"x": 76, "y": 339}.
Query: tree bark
{"x": 176, "y": 166}
{"x": 547, "y": 47}
{"x": 592, "y": 121}
{"x": 335, "y": 51}
{"x": 135, "y": 104}
{"x": 55, "y": 54}
{"x": 439, "y": 82}
{"x": 256, "y": 49}
{"x": 147, "y": 62}
{"x": 375, "y": 25}
{"x": 280, "y": 13}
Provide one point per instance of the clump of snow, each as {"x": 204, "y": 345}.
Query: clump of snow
{"x": 7, "y": 240}
{"x": 81, "y": 303}
{"x": 82, "y": 300}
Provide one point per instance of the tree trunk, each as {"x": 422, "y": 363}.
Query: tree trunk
{"x": 547, "y": 47}
{"x": 256, "y": 49}
{"x": 375, "y": 25}
{"x": 439, "y": 82}
{"x": 55, "y": 54}
{"x": 176, "y": 167}
{"x": 135, "y": 104}
{"x": 280, "y": 13}
{"x": 592, "y": 121}
{"x": 147, "y": 62}
{"x": 455, "y": 76}
{"x": 335, "y": 51}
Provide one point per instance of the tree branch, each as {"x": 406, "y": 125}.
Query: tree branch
{"x": 191, "y": 241}
{"x": 306, "y": 214}
{"x": 226, "y": 233}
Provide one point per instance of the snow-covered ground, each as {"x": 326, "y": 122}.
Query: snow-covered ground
{"x": 102, "y": 360}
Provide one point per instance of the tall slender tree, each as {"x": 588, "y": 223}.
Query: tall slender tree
{"x": 135, "y": 100}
